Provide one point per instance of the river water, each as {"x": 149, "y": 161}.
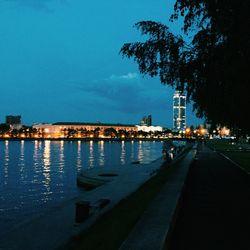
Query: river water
{"x": 37, "y": 175}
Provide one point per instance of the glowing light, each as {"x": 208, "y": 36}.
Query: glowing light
{"x": 202, "y": 131}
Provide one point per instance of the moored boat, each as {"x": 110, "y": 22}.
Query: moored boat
{"x": 89, "y": 182}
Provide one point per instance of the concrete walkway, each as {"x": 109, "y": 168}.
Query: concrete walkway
{"x": 155, "y": 224}
{"x": 215, "y": 212}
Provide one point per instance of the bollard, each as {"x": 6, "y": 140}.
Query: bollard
{"x": 82, "y": 211}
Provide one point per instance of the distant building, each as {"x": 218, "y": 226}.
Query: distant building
{"x": 149, "y": 128}
{"x": 146, "y": 121}
{"x": 57, "y": 130}
{"x": 14, "y": 121}
{"x": 179, "y": 111}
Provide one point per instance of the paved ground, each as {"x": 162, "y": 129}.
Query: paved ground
{"x": 215, "y": 212}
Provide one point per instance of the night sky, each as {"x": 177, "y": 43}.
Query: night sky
{"x": 59, "y": 61}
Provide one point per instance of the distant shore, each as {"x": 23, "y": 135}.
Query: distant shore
{"x": 93, "y": 139}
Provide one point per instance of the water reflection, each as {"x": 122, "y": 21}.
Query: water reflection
{"x": 46, "y": 170}
{"x": 79, "y": 159}
{"x": 91, "y": 155}
{"x": 132, "y": 156}
{"x": 35, "y": 155}
{"x": 21, "y": 161}
{"x": 140, "y": 151}
{"x": 122, "y": 153}
{"x": 101, "y": 153}
{"x": 6, "y": 162}
{"x": 61, "y": 156}
{"x": 37, "y": 158}
{"x": 46, "y": 156}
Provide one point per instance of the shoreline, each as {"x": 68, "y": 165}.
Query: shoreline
{"x": 97, "y": 139}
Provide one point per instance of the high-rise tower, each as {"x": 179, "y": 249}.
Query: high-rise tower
{"x": 179, "y": 111}
{"x": 146, "y": 120}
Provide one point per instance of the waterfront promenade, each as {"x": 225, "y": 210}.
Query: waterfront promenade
{"x": 211, "y": 213}
{"x": 215, "y": 212}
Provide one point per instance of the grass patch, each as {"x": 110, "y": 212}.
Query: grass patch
{"x": 113, "y": 227}
{"x": 222, "y": 145}
{"x": 232, "y": 151}
{"x": 242, "y": 158}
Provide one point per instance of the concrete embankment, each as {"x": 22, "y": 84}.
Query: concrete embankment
{"x": 155, "y": 225}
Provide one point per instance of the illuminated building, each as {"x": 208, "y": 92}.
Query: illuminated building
{"x": 179, "y": 111}
{"x": 149, "y": 128}
{"x": 61, "y": 129}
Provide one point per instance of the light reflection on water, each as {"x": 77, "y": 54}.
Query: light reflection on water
{"x": 46, "y": 171}
{"x": 91, "y": 155}
{"x": 22, "y": 161}
{"x": 6, "y": 162}
{"x": 35, "y": 175}
{"x": 140, "y": 152}
{"x": 101, "y": 153}
{"x": 61, "y": 157}
{"x": 123, "y": 152}
{"x": 79, "y": 159}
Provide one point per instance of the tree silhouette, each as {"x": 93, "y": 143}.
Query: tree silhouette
{"x": 4, "y": 128}
{"x": 213, "y": 69}
{"x": 110, "y": 132}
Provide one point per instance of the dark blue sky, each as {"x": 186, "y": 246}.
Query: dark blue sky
{"x": 60, "y": 62}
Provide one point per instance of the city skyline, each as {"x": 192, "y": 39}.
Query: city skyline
{"x": 60, "y": 61}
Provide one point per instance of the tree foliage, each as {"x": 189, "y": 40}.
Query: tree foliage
{"x": 213, "y": 69}
{"x": 4, "y": 128}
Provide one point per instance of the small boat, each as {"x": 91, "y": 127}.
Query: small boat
{"x": 89, "y": 183}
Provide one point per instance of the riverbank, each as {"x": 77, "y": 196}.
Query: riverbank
{"x": 97, "y": 139}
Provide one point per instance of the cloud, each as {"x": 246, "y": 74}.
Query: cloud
{"x": 124, "y": 93}
{"x": 128, "y": 76}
